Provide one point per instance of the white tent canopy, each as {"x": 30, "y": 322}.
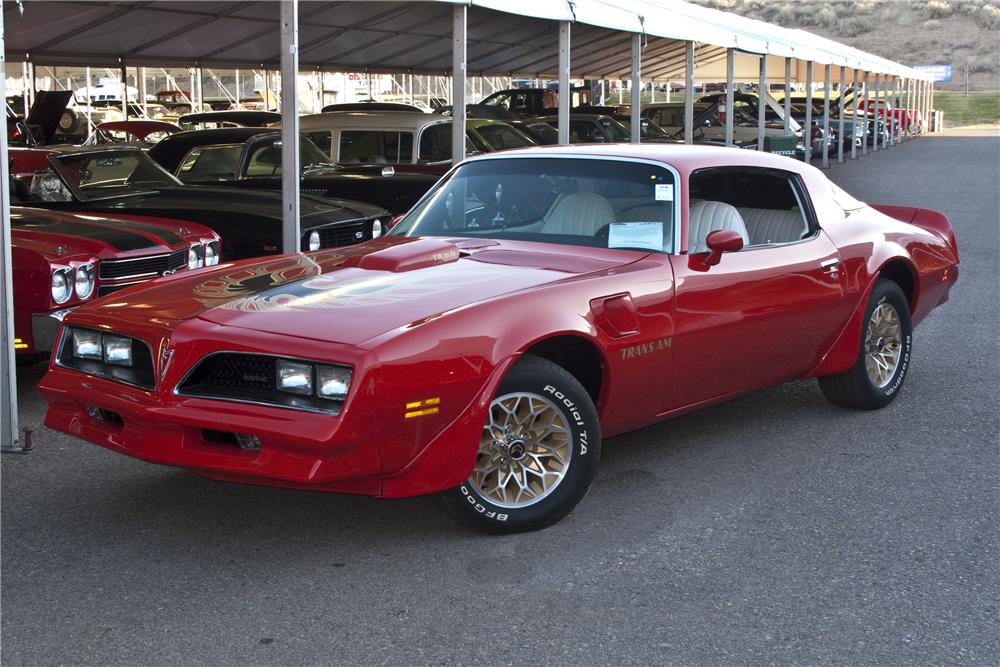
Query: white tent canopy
{"x": 508, "y": 37}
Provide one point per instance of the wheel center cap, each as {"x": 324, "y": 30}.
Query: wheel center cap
{"x": 516, "y": 450}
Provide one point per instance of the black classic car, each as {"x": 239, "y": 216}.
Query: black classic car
{"x": 214, "y": 119}
{"x": 124, "y": 180}
{"x": 251, "y": 158}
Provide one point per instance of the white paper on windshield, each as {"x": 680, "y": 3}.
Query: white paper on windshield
{"x": 664, "y": 192}
{"x": 645, "y": 235}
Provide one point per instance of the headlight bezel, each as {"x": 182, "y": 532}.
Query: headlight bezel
{"x": 196, "y": 256}
{"x": 66, "y": 274}
{"x": 90, "y": 274}
{"x": 211, "y": 252}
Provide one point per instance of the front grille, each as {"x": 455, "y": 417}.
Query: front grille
{"x": 143, "y": 266}
{"x": 339, "y": 235}
{"x": 104, "y": 290}
{"x": 233, "y": 371}
{"x": 249, "y": 378}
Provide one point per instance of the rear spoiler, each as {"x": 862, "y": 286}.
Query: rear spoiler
{"x": 925, "y": 218}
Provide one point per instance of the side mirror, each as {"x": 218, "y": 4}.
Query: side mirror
{"x": 720, "y": 241}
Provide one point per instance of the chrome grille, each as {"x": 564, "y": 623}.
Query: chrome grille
{"x": 113, "y": 269}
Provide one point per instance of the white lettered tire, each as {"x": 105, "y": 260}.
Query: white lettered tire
{"x": 539, "y": 450}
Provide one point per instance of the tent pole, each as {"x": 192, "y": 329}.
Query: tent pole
{"x": 826, "y": 117}
{"x": 123, "y": 75}
{"x": 636, "y": 86}
{"x": 787, "y": 102}
{"x": 854, "y": 117}
{"x": 730, "y": 97}
{"x": 761, "y": 106}
{"x": 290, "y": 237}
{"x": 868, "y": 117}
{"x": 807, "y": 127}
{"x": 689, "y": 92}
{"x": 459, "y": 55}
{"x": 90, "y": 121}
{"x": 564, "y": 66}
{"x": 8, "y": 368}
{"x": 840, "y": 117}
{"x": 878, "y": 134}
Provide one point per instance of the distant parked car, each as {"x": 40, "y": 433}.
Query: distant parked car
{"x": 251, "y": 158}
{"x": 124, "y": 180}
{"x": 406, "y": 140}
{"x": 142, "y": 133}
{"x": 216, "y": 119}
{"x": 62, "y": 260}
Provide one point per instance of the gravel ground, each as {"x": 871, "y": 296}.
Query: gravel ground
{"x": 774, "y": 529}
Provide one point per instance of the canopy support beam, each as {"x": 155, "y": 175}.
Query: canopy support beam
{"x": 854, "y": 117}
{"x": 689, "y": 92}
{"x": 878, "y": 133}
{"x": 8, "y": 368}
{"x": 636, "y": 87}
{"x": 840, "y": 118}
{"x": 730, "y": 93}
{"x": 563, "y": 117}
{"x": 788, "y": 95}
{"x": 459, "y": 56}
{"x": 807, "y": 126}
{"x": 825, "y": 140}
{"x": 290, "y": 236}
{"x": 762, "y": 93}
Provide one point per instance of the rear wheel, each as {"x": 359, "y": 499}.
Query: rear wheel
{"x": 886, "y": 340}
{"x": 538, "y": 452}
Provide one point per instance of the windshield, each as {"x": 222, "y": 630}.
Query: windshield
{"x": 501, "y": 136}
{"x": 111, "y": 173}
{"x": 573, "y": 201}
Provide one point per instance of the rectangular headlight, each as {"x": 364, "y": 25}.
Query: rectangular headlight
{"x": 117, "y": 350}
{"x": 86, "y": 344}
{"x": 332, "y": 382}
{"x": 294, "y": 377}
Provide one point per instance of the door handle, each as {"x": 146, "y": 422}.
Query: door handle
{"x": 831, "y": 267}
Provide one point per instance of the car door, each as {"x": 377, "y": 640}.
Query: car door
{"x": 765, "y": 314}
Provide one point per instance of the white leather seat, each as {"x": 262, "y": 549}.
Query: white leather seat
{"x": 709, "y": 216}
{"x": 766, "y": 225}
{"x": 579, "y": 213}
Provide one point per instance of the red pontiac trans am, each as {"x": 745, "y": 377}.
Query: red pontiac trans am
{"x": 530, "y": 304}
{"x": 62, "y": 260}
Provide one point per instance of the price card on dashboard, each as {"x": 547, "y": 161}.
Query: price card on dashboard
{"x": 644, "y": 235}
{"x": 664, "y": 191}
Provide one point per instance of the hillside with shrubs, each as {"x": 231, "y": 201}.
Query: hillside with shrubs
{"x": 962, "y": 33}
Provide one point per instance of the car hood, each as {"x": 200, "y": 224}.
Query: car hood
{"x": 265, "y": 203}
{"x": 58, "y": 234}
{"x": 350, "y": 295}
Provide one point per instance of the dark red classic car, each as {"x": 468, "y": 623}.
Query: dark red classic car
{"x": 532, "y": 303}
{"x": 61, "y": 260}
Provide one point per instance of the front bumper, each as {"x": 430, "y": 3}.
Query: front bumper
{"x": 296, "y": 449}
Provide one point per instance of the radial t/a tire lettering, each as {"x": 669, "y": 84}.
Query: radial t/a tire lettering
{"x": 884, "y": 356}
{"x": 538, "y": 452}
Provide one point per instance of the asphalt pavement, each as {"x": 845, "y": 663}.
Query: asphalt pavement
{"x": 773, "y": 529}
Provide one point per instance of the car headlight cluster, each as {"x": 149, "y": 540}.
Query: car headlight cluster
{"x": 109, "y": 348}
{"x": 68, "y": 280}
{"x": 314, "y": 241}
{"x": 202, "y": 254}
{"x": 308, "y": 379}
{"x": 376, "y": 229}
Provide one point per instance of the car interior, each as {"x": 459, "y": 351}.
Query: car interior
{"x": 763, "y": 205}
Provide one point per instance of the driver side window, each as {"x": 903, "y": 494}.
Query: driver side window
{"x": 766, "y": 206}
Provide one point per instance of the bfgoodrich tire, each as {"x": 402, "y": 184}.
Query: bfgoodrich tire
{"x": 884, "y": 356}
{"x": 538, "y": 453}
